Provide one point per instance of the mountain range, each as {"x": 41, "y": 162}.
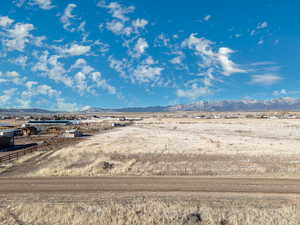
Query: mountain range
{"x": 285, "y": 104}
{"x": 279, "y": 104}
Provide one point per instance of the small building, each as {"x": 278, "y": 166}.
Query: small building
{"x": 49, "y": 122}
{"x": 7, "y": 138}
{"x": 9, "y": 132}
{"x": 27, "y": 131}
{"x": 54, "y": 130}
{"x": 72, "y": 133}
{"x": 6, "y": 142}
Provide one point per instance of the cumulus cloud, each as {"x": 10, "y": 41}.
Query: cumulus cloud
{"x": 62, "y": 105}
{"x": 119, "y": 28}
{"x": 7, "y": 95}
{"x": 145, "y": 73}
{"x": 102, "y": 83}
{"x": 18, "y": 36}
{"x": 75, "y": 50}
{"x": 52, "y": 68}
{"x": 265, "y": 79}
{"x": 80, "y": 80}
{"x": 139, "y": 23}
{"x": 5, "y": 21}
{"x": 67, "y": 17}
{"x": 121, "y": 24}
{"x": 117, "y": 10}
{"x": 140, "y": 47}
{"x": 11, "y": 77}
{"x": 44, "y": 4}
{"x": 193, "y": 92}
{"x": 87, "y": 78}
{"x": 21, "y": 61}
{"x": 35, "y": 89}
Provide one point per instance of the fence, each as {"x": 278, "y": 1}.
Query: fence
{"x": 18, "y": 154}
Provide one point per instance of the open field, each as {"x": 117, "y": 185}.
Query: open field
{"x": 228, "y": 152}
{"x": 224, "y": 147}
{"x": 148, "y": 208}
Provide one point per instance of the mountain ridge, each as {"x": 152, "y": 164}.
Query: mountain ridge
{"x": 280, "y": 104}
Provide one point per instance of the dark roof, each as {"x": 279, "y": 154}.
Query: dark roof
{"x": 49, "y": 121}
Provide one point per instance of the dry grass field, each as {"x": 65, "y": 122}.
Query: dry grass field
{"x": 149, "y": 210}
{"x": 223, "y": 147}
{"x": 192, "y": 147}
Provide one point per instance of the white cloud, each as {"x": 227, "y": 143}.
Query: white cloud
{"x": 207, "y": 18}
{"x": 117, "y": 10}
{"x": 38, "y": 41}
{"x": 76, "y": 50}
{"x": 210, "y": 59}
{"x": 21, "y": 61}
{"x": 68, "y": 16}
{"x": 121, "y": 24}
{"x": 7, "y": 95}
{"x": 265, "y": 79}
{"x": 140, "y": 47}
{"x": 5, "y": 21}
{"x": 44, "y": 4}
{"x": 145, "y": 73}
{"x": 11, "y": 77}
{"x": 87, "y": 79}
{"x": 139, "y": 23}
{"x": 162, "y": 40}
{"x": 119, "y": 28}
{"x": 97, "y": 78}
{"x": 280, "y": 92}
{"x": 228, "y": 66}
{"x": 62, "y": 105}
{"x": 18, "y": 36}
{"x": 118, "y": 65}
{"x": 176, "y": 60}
{"x": 262, "y": 25}
{"x": 212, "y": 63}
{"x": 194, "y": 92}
{"x": 51, "y": 67}
{"x": 202, "y": 48}
{"x": 19, "y": 3}
{"x": 80, "y": 80}
{"x": 33, "y": 89}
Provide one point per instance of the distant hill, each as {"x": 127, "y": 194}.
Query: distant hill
{"x": 285, "y": 104}
{"x": 279, "y": 104}
{"x": 33, "y": 110}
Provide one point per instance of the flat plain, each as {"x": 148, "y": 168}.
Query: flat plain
{"x": 223, "y": 147}
{"x": 163, "y": 147}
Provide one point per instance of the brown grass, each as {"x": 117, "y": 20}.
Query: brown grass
{"x": 142, "y": 211}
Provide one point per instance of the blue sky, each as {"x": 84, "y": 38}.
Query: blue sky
{"x": 75, "y": 54}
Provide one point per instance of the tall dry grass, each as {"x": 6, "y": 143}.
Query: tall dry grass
{"x": 141, "y": 212}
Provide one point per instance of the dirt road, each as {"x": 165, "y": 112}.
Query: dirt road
{"x": 149, "y": 184}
